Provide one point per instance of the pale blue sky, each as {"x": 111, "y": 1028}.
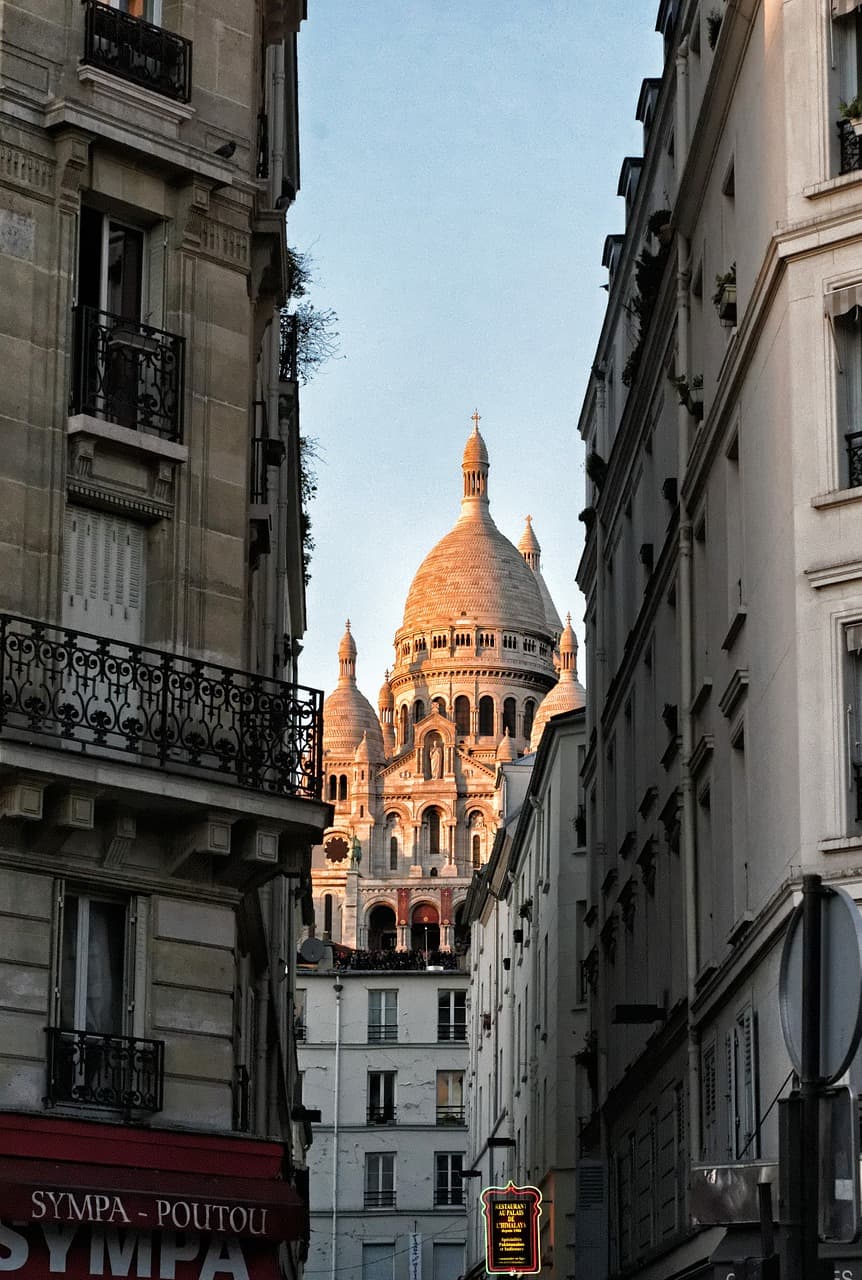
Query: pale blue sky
{"x": 459, "y": 169}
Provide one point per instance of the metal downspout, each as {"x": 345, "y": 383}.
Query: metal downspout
{"x": 686, "y": 696}
{"x": 333, "y": 1238}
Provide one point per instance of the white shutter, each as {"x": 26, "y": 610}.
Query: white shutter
{"x": 153, "y": 309}
{"x": 103, "y": 575}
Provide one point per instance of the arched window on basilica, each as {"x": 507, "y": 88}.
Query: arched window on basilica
{"x": 432, "y": 821}
{"x": 418, "y": 710}
{"x": 529, "y": 716}
{"x": 486, "y": 716}
{"x": 333, "y": 788}
{"x": 439, "y": 704}
{"x": 342, "y": 787}
{"x": 425, "y": 927}
{"x": 509, "y": 716}
{"x": 392, "y": 832}
{"x": 327, "y": 915}
{"x": 476, "y": 832}
{"x": 403, "y": 721}
{"x": 382, "y": 932}
{"x": 462, "y": 714}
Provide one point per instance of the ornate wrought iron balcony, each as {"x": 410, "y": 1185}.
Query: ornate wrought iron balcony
{"x": 854, "y": 459}
{"x": 128, "y": 372}
{"x": 850, "y": 146}
{"x": 94, "y": 1070}
{"x": 159, "y": 709}
{"x": 138, "y": 51}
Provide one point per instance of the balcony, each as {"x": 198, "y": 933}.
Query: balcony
{"x": 854, "y": 458}
{"x": 850, "y": 146}
{"x": 381, "y": 1115}
{"x": 376, "y": 1199}
{"x": 118, "y": 1073}
{"x": 138, "y": 51}
{"x": 105, "y": 697}
{"x": 127, "y": 372}
{"x": 380, "y": 1032}
{"x": 450, "y": 1115}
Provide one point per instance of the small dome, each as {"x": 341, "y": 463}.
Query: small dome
{"x": 385, "y": 698}
{"x": 475, "y": 450}
{"x": 529, "y": 544}
{"x": 568, "y": 694}
{"x": 347, "y": 646}
{"x": 506, "y": 752}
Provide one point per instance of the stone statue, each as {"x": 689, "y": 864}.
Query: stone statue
{"x": 355, "y": 852}
{"x": 435, "y": 760}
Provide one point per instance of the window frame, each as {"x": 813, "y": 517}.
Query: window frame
{"x": 380, "y": 1167}
{"x": 382, "y": 1026}
{"x": 448, "y": 1179}
{"x": 448, "y": 1021}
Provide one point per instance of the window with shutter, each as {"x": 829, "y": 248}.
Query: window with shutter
{"x": 103, "y": 574}
{"x": 710, "y": 1099}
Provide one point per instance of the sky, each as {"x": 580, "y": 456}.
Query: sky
{"x": 459, "y": 166}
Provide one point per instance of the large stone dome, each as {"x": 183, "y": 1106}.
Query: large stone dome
{"x": 474, "y": 572}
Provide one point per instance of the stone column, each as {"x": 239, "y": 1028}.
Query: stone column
{"x": 403, "y": 917}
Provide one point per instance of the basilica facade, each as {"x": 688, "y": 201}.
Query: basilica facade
{"x": 482, "y": 660}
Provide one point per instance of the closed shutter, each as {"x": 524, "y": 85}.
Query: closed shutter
{"x": 103, "y": 575}
{"x": 154, "y": 277}
{"x": 591, "y": 1220}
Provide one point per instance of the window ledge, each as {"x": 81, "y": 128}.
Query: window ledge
{"x": 831, "y": 575}
{"x": 838, "y": 497}
{"x": 155, "y": 103}
{"x": 841, "y": 844}
{"x": 140, "y": 441}
{"x": 816, "y": 189}
{"x": 737, "y": 622}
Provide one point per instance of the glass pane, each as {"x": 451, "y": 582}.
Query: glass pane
{"x": 105, "y": 955}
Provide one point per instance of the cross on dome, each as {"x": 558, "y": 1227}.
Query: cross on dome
{"x": 476, "y": 418}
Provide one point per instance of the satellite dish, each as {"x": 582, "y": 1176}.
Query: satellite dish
{"x": 312, "y": 950}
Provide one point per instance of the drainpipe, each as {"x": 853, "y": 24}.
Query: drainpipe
{"x": 338, "y": 988}
{"x": 261, "y": 1081}
{"x": 686, "y": 694}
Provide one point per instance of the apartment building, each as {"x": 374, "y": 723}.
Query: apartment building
{"x": 160, "y": 768}
{"x": 383, "y": 1053}
{"x": 528, "y": 1014}
{"x": 721, "y": 573}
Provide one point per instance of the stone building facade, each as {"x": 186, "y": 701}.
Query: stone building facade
{"x": 722, "y": 580}
{"x": 160, "y": 769}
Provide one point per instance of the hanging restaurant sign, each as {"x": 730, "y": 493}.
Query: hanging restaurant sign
{"x": 512, "y": 1229}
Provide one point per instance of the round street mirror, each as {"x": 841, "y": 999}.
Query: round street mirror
{"x": 840, "y": 984}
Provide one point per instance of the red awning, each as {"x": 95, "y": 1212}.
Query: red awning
{"x": 150, "y": 1199}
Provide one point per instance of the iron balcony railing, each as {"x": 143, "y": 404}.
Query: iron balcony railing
{"x": 138, "y": 51}
{"x": 128, "y": 372}
{"x": 445, "y": 1195}
{"x": 94, "y": 1070}
{"x": 98, "y": 695}
{"x": 854, "y": 458}
{"x": 381, "y": 1115}
{"x": 375, "y": 1199}
{"x": 288, "y": 348}
{"x": 450, "y": 1115}
{"x": 850, "y": 145}
{"x": 380, "y": 1031}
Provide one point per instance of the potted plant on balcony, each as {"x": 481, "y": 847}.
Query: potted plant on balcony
{"x": 724, "y": 297}
{"x": 852, "y": 111}
{"x": 690, "y": 393}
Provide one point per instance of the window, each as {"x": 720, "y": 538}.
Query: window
{"x": 510, "y": 641}
{"x": 382, "y": 1016}
{"x": 333, "y": 788}
{"x": 418, "y": 710}
{"x": 845, "y": 80}
{"x": 149, "y": 10}
{"x": 379, "y": 1180}
{"x": 381, "y": 1097}
{"x": 448, "y": 1261}
{"x": 486, "y": 716}
{"x": 451, "y": 1015}
{"x": 439, "y": 642}
{"x": 847, "y": 328}
{"x": 93, "y": 963}
{"x": 327, "y": 915}
{"x": 377, "y": 1261}
{"x": 509, "y": 717}
{"x": 403, "y": 723}
{"x": 529, "y": 644}
{"x": 342, "y": 787}
{"x": 433, "y": 820}
{"x": 462, "y": 714}
{"x": 476, "y": 851}
{"x": 450, "y": 1097}
{"x": 448, "y": 1186}
{"x": 393, "y": 853}
{"x": 529, "y": 715}
{"x": 709, "y": 1088}
{"x": 742, "y": 1094}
